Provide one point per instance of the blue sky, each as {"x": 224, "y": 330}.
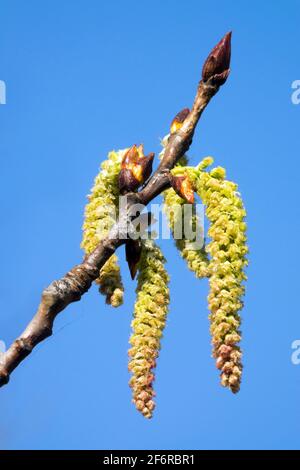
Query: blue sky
{"x": 84, "y": 77}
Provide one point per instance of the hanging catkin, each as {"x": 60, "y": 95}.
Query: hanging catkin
{"x": 196, "y": 258}
{"x": 150, "y": 313}
{"x": 228, "y": 249}
{"x": 100, "y": 212}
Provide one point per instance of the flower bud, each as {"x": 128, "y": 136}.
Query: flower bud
{"x": 179, "y": 120}
{"x": 183, "y": 187}
{"x": 216, "y": 66}
{"x": 146, "y": 166}
{"x": 133, "y": 251}
{"x": 135, "y": 169}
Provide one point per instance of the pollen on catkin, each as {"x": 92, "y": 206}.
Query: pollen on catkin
{"x": 100, "y": 214}
{"x": 150, "y": 313}
{"x": 196, "y": 258}
{"x": 228, "y": 249}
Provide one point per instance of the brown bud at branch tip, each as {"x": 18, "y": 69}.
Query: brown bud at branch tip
{"x": 183, "y": 187}
{"x": 179, "y": 120}
{"x": 216, "y": 66}
{"x": 133, "y": 251}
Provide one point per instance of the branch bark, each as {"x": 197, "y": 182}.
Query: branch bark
{"x": 178, "y": 143}
{"x": 78, "y": 280}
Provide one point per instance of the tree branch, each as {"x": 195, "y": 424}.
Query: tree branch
{"x": 78, "y": 280}
{"x": 178, "y": 143}
{"x": 56, "y": 298}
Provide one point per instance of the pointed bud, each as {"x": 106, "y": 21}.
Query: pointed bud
{"x": 216, "y": 66}
{"x": 146, "y": 165}
{"x": 135, "y": 169}
{"x": 179, "y": 120}
{"x": 131, "y": 156}
{"x": 133, "y": 251}
{"x": 183, "y": 187}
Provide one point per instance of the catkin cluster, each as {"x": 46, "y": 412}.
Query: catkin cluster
{"x": 150, "y": 314}
{"x": 196, "y": 259}
{"x": 227, "y": 249}
{"x": 100, "y": 214}
{"x": 223, "y": 261}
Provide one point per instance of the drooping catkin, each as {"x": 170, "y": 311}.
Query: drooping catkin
{"x": 228, "y": 249}
{"x": 100, "y": 214}
{"x": 195, "y": 257}
{"x": 150, "y": 313}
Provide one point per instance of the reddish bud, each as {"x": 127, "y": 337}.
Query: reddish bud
{"x": 146, "y": 165}
{"x": 130, "y": 157}
{"x": 135, "y": 169}
{"x": 183, "y": 187}
{"x": 216, "y": 66}
{"x": 133, "y": 251}
{"x": 179, "y": 120}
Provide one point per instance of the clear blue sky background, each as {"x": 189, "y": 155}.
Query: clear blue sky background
{"x": 84, "y": 77}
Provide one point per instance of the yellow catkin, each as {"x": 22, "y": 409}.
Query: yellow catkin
{"x": 150, "y": 313}
{"x": 196, "y": 259}
{"x": 228, "y": 249}
{"x": 100, "y": 214}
